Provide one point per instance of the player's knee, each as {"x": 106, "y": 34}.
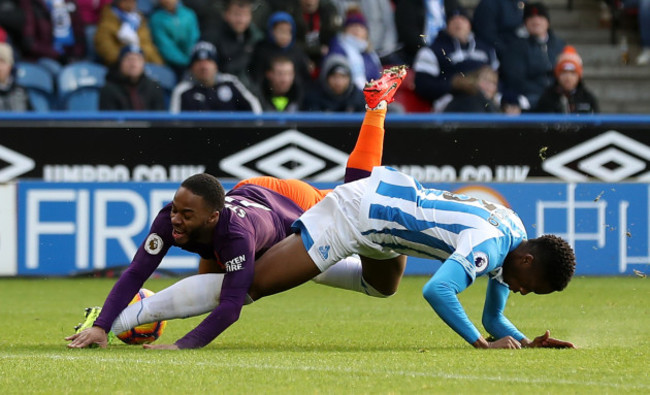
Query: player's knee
{"x": 378, "y": 291}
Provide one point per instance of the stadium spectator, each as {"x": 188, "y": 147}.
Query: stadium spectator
{"x": 499, "y": 22}
{"x": 511, "y": 103}
{"x": 483, "y": 99}
{"x": 90, "y": 10}
{"x": 643, "y": 22}
{"x": 280, "y": 41}
{"x": 334, "y": 90}
{"x": 13, "y": 97}
{"x": 230, "y": 238}
{"x": 12, "y": 19}
{"x": 382, "y": 32}
{"x": 527, "y": 66}
{"x": 127, "y": 87}
{"x": 122, "y": 24}
{"x": 568, "y": 94}
{"x": 444, "y": 68}
{"x": 207, "y": 13}
{"x": 418, "y": 23}
{"x": 317, "y": 22}
{"x": 208, "y": 89}
{"x": 353, "y": 43}
{"x": 175, "y": 31}
{"x": 280, "y": 91}
{"x": 235, "y": 39}
{"x": 52, "y": 30}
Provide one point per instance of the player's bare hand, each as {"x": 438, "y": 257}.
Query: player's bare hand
{"x": 161, "y": 346}
{"x": 85, "y": 338}
{"x": 546, "y": 341}
{"x": 505, "y": 342}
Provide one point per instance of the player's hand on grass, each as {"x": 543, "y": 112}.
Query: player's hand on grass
{"x": 505, "y": 342}
{"x": 85, "y": 338}
{"x": 546, "y": 341}
{"x": 161, "y": 346}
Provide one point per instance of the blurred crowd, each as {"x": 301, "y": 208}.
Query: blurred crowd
{"x": 287, "y": 55}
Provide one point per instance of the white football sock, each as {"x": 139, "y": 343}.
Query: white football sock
{"x": 347, "y": 274}
{"x": 191, "y": 296}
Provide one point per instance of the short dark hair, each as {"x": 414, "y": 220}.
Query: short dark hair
{"x": 558, "y": 262}
{"x": 208, "y": 187}
{"x": 240, "y": 3}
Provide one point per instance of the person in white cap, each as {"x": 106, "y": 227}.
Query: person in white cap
{"x": 13, "y": 97}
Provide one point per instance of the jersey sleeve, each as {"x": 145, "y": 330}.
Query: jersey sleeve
{"x": 147, "y": 258}
{"x": 494, "y": 321}
{"x": 239, "y": 260}
{"x": 441, "y": 293}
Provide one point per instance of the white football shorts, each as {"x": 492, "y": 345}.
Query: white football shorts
{"x": 330, "y": 230}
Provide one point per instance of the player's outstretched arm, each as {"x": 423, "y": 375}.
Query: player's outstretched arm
{"x": 87, "y": 337}
{"x": 546, "y": 341}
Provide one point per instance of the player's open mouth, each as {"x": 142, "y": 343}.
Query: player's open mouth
{"x": 177, "y": 234}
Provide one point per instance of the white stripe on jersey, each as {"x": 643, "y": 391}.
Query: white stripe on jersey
{"x": 398, "y": 213}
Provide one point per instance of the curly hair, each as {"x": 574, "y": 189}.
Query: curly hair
{"x": 557, "y": 260}
{"x": 208, "y": 187}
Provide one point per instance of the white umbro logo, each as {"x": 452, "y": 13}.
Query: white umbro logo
{"x": 309, "y": 158}
{"x": 610, "y": 157}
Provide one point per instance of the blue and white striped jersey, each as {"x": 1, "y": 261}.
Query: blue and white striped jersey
{"x": 398, "y": 213}
{"x": 471, "y": 236}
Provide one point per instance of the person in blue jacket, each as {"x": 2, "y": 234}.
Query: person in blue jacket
{"x": 175, "y": 31}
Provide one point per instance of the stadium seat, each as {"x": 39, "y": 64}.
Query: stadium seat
{"x": 164, "y": 75}
{"x": 51, "y": 65}
{"x": 79, "y": 85}
{"x": 89, "y": 31}
{"x": 407, "y": 97}
{"x": 39, "y": 83}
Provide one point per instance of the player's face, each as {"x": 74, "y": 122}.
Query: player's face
{"x": 524, "y": 277}
{"x": 192, "y": 219}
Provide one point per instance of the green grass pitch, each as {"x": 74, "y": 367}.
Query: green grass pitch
{"x": 316, "y": 339}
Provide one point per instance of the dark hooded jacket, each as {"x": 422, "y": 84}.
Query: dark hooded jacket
{"x": 268, "y": 49}
{"x": 580, "y": 101}
{"x": 120, "y": 94}
{"x": 321, "y": 97}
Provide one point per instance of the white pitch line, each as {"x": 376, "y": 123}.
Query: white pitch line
{"x": 500, "y": 379}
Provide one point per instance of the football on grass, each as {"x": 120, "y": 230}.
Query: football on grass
{"x": 145, "y": 333}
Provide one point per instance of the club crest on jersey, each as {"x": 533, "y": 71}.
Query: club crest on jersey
{"x": 324, "y": 251}
{"x": 480, "y": 261}
{"x": 154, "y": 244}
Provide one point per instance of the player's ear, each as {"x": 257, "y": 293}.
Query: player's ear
{"x": 214, "y": 218}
